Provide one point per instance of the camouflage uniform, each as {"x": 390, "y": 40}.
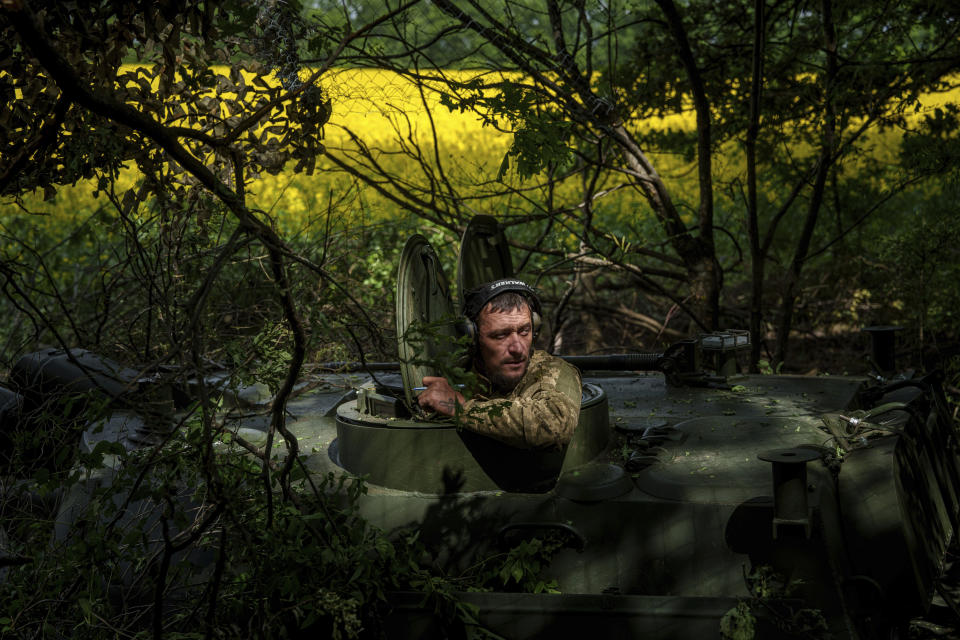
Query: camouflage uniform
{"x": 541, "y": 411}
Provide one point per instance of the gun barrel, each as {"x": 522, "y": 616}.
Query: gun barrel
{"x": 616, "y": 362}
{"x": 608, "y": 362}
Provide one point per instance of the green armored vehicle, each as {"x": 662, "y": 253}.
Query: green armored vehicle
{"x": 691, "y": 498}
{"x": 685, "y": 483}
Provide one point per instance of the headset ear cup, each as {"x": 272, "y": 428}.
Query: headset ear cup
{"x": 466, "y": 327}
{"x": 535, "y": 319}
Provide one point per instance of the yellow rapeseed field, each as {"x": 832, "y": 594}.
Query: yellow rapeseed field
{"x": 388, "y": 114}
{"x": 396, "y": 122}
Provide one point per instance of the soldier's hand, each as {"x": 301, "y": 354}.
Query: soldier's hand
{"x": 439, "y": 396}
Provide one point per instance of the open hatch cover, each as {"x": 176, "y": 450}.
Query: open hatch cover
{"x": 484, "y": 255}
{"x": 426, "y": 334}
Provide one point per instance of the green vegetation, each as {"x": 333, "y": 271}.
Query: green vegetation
{"x": 770, "y": 595}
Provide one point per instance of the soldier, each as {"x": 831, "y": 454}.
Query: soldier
{"x": 533, "y": 398}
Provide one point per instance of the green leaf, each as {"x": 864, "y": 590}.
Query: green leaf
{"x": 504, "y": 167}
{"x": 738, "y": 623}
{"x": 85, "y": 607}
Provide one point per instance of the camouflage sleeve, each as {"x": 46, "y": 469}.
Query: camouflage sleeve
{"x": 542, "y": 415}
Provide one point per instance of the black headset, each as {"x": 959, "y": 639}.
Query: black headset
{"x": 476, "y": 299}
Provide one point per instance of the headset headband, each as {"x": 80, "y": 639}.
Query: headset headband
{"x": 476, "y": 299}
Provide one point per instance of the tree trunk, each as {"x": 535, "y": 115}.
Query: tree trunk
{"x": 757, "y": 255}
{"x": 706, "y": 276}
{"x": 816, "y": 198}
{"x": 697, "y": 252}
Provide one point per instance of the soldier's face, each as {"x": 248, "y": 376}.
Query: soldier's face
{"x": 505, "y": 341}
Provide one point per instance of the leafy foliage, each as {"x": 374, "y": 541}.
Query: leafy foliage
{"x": 521, "y": 567}
{"x": 222, "y": 561}
{"x": 769, "y": 591}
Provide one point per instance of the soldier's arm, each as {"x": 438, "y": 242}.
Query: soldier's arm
{"x": 543, "y": 417}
